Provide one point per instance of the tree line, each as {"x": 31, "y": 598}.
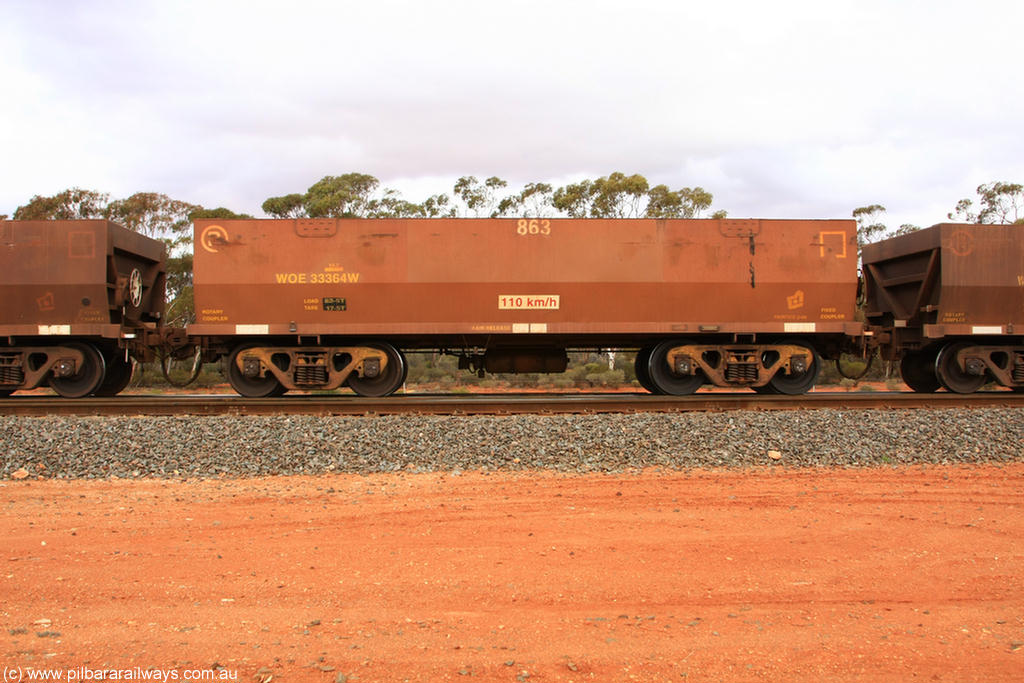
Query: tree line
{"x": 617, "y": 195}
{"x": 360, "y": 195}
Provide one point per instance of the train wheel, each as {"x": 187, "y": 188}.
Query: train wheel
{"x": 88, "y": 378}
{"x": 664, "y": 380}
{"x": 405, "y": 373}
{"x": 251, "y": 387}
{"x": 643, "y": 357}
{"x": 950, "y": 374}
{"x": 917, "y": 368}
{"x": 797, "y": 383}
{"x": 387, "y": 382}
{"x": 767, "y": 359}
{"x": 119, "y": 374}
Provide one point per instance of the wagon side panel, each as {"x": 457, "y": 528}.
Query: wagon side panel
{"x": 504, "y": 276}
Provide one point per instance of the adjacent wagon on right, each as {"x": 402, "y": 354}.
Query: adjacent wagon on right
{"x": 948, "y": 302}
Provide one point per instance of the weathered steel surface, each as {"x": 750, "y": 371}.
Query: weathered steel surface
{"x": 949, "y": 279}
{"x": 61, "y": 278}
{"x": 494, "y": 404}
{"x": 477, "y": 279}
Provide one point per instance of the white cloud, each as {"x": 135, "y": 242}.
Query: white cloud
{"x": 780, "y": 109}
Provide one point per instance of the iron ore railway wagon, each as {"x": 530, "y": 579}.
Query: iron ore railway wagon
{"x": 317, "y": 304}
{"x": 78, "y": 300}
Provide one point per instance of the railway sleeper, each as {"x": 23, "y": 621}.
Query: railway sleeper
{"x": 746, "y": 365}
{"x": 321, "y": 368}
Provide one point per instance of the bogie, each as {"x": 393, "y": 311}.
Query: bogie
{"x": 369, "y": 369}
{"x": 681, "y": 366}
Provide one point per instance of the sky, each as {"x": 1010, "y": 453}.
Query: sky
{"x": 781, "y": 109}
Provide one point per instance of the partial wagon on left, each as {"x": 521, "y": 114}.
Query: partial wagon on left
{"x": 78, "y": 300}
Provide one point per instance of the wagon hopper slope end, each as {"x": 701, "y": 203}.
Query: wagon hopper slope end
{"x": 949, "y": 301}
{"x": 80, "y": 298}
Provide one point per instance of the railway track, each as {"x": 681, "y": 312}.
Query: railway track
{"x": 494, "y": 404}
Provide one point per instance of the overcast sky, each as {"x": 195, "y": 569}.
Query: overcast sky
{"x": 780, "y": 109}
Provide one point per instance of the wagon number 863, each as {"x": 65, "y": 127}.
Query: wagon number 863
{"x": 533, "y": 227}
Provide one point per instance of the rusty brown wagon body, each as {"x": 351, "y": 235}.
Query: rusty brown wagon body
{"x": 296, "y": 303}
{"x": 949, "y": 303}
{"x": 78, "y": 299}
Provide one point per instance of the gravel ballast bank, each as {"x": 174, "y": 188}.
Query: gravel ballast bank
{"x": 96, "y": 447}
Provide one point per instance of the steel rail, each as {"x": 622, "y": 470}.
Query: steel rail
{"x": 494, "y": 404}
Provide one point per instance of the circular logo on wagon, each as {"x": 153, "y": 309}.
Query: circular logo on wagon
{"x": 961, "y": 242}
{"x": 213, "y": 236}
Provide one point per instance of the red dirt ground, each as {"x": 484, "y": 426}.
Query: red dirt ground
{"x": 762, "y": 575}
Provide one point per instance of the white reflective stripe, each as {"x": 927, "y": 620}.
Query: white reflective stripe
{"x": 539, "y": 328}
{"x": 520, "y": 328}
{"x": 899, "y": 323}
{"x": 55, "y": 329}
{"x": 252, "y": 329}
{"x": 800, "y": 327}
{"x": 986, "y": 329}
